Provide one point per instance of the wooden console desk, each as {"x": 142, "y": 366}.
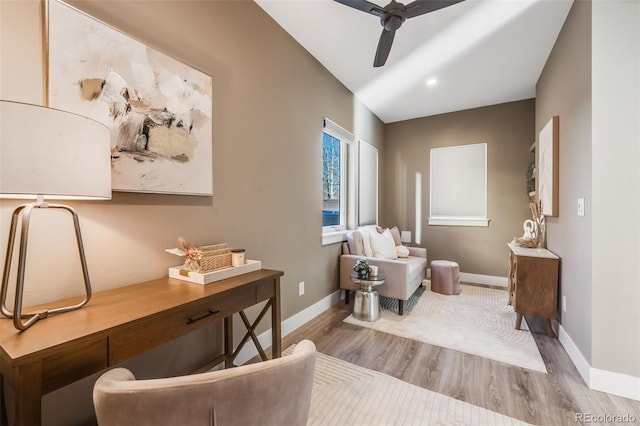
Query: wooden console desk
{"x": 120, "y": 323}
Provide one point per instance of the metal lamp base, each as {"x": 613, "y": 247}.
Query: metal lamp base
{"x": 17, "y": 314}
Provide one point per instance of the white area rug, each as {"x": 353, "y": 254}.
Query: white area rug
{"x": 478, "y": 321}
{"x": 345, "y": 394}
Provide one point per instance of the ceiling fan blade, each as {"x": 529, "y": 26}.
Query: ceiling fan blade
{"x": 364, "y": 6}
{"x": 384, "y": 47}
{"x": 420, "y": 7}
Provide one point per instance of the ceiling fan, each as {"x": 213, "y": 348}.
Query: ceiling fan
{"x": 392, "y": 16}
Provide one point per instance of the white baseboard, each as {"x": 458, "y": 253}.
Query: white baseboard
{"x": 597, "y": 379}
{"x": 580, "y": 362}
{"x": 479, "y": 279}
{"x": 484, "y": 279}
{"x": 615, "y": 383}
{"x": 289, "y": 325}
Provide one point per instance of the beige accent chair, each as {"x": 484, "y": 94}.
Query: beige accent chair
{"x": 403, "y": 274}
{"x": 274, "y": 392}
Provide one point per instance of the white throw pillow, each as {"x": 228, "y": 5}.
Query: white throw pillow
{"x": 402, "y": 251}
{"x": 354, "y": 239}
{"x": 383, "y": 245}
{"x": 366, "y": 231}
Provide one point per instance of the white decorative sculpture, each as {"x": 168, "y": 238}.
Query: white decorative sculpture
{"x": 530, "y": 229}
{"x": 535, "y": 229}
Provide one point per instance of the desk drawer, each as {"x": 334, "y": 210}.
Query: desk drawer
{"x": 154, "y": 331}
{"x": 266, "y": 290}
{"x": 163, "y": 327}
{"x": 74, "y": 364}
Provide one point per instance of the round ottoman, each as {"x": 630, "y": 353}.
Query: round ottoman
{"x": 445, "y": 277}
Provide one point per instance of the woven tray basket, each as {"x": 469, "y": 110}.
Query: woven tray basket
{"x": 216, "y": 256}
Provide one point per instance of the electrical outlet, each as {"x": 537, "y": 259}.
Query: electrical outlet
{"x": 564, "y": 303}
{"x": 580, "y": 206}
{"x": 300, "y": 288}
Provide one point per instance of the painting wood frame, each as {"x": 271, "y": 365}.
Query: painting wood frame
{"x": 548, "y": 167}
{"x": 159, "y": 110}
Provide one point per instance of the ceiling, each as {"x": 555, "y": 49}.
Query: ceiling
{"x": 479, "y": 52}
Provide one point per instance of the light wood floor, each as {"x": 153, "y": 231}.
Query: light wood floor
{"x": 545, "y": 399}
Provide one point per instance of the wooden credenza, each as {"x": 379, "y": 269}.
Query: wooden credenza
{"x": 120, "y": 323}
{"x": 533, "y": 283}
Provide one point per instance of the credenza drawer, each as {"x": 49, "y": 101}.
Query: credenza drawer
{"x": 163, "y": 327}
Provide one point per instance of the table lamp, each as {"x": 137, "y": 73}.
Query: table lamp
{"x": 405, "y": 237}
{"x": 47, "y": 153}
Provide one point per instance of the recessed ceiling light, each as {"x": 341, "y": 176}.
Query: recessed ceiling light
{"x": 432, "y": 82}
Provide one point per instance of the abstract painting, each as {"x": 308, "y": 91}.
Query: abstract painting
{"x": 159, "y": 110}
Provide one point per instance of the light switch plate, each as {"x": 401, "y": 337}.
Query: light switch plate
{"x": 580, "y": 206}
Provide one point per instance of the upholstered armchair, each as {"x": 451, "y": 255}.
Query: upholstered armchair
{"x": 274, "y": 392}
{"x": 404, "y": 267}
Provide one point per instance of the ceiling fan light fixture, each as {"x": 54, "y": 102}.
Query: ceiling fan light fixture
{"x": 392, "y": 17}
{"x": 392, "y": 22}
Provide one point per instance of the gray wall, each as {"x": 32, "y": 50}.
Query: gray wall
{"x": 564, "y": 89}
{"x": 616, "y": 183}
{"x": 591, "y": 80}
{"x": 508, "y": 130}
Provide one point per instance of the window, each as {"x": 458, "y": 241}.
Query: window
{"x": 367, "y": 184}
{"x": 459, "y": 186}
{"x": 335, "y": 141}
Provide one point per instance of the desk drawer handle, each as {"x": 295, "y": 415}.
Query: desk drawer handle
{"x": 201, "y": 317}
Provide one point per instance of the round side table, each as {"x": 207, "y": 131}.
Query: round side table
{"x": 366, "y": 306}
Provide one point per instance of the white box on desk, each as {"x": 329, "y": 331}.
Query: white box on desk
{"x": 210, "y": 277}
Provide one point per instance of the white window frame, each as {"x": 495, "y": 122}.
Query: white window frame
{"x": 336, "y": 233}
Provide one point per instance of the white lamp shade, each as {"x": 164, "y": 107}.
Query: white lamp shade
{"x": 405, "y": 236}
{"x": 53, "y": 153}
